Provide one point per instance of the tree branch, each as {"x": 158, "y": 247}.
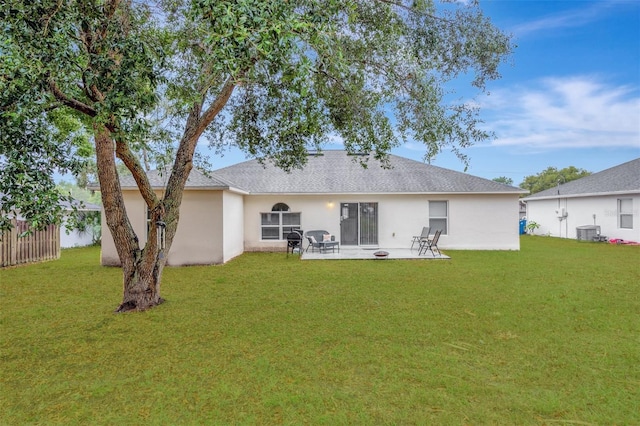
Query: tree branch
{"x": 50, "y": 17}
{"x": 217, "y": 105}
{"x": 70, "y": 102}
{"x": 124, "y": 153}
{"x": 113, "y": 201}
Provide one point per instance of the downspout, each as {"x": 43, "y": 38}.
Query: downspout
{"x": 559, "y": 210}
{"x": 562, "y": 216}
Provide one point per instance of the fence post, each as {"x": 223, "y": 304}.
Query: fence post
{"x": 56, "y": 239}
{"x": 13, "y": 242}
{"x": 9, "y": 245}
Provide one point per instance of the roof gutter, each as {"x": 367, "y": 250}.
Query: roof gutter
{"x": 586, "y": 194}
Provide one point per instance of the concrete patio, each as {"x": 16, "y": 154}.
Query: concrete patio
{"x": 368, "y": 253}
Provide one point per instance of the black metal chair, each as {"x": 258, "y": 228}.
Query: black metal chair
{"x": 294, "y": 241}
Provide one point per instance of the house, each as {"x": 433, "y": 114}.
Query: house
{"x": 252, "y": 207}
{"x": 79, "y": 237}
{"x": 523, "y": 209}
{"x": 73, "y": 237}
{"x": 17, "y": 246}
{"x": 609, "y": 199}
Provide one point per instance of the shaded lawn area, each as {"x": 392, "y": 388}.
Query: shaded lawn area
{"x": 547, "y": 335}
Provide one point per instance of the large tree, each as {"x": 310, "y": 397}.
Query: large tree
{"x": 503, "y": 179}
{"x": 550, "y": 177}
{"x": 275, "y": 78}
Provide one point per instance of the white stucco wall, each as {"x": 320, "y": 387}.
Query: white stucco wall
{"x": 198, "y": 238}
{"x": 209, "y": 234}
{"x": 580, "y": 211}
{"x": 483, "y": 222}
{"x": 75, "y": 238}
{"x": 233, "y": 225}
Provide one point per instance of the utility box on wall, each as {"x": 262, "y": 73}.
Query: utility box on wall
{"x": 588, "y": 232}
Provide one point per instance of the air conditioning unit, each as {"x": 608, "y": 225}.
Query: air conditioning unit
{"x": 587, "y": 232}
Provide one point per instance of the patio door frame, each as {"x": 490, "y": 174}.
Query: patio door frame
{"x": 359, "y": 224}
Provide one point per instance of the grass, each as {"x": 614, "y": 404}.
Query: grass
{"x": 547, "y": 335}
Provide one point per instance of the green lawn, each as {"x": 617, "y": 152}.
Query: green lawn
{"x": 547, "y": 335}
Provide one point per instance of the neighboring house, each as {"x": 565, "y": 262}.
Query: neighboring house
{"x": 251, "y": 207}
{"x": 609, "y": 199}
{"x": 76, "y": 237}
{"x": 523, "y": 209}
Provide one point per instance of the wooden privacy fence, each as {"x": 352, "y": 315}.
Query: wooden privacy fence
{"x": 33, "y": 247}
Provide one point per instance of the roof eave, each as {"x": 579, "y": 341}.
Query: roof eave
{"x": 393, "y": 193}
{"x": 191, "y": 188}
{"x": 586, "y": 194}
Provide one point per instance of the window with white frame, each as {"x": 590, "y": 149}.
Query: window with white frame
{"x": 276, "y": 224}
{"x": 625, "y": 213}
{"x": 438, "y": 216}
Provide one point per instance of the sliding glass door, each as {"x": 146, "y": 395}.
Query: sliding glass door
{"x": 359, "y": 224}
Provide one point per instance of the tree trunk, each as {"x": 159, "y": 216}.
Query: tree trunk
{"x": 141, "y": 269}
{"x": 141, "y": 284}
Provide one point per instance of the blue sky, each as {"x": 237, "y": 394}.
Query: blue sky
{"x": 569, "y": 96}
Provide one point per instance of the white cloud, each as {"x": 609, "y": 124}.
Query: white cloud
{"x": 575, "y": 112}
{"x": 577, "y": 17}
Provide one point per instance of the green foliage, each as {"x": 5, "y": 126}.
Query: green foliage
{"x": 78, "y": 193}
{"x": 41, "y": 133}
{"x": 532, "y": 226}
{"x": 79, "y": 219}
{"x": 31, "y": 150}
{"x": 304, "y": 71}
{"x": 503, "y": 179}
{"x": 275, "y": 78}
{"x": 373, "y": 75}
{"x": 551, "y": 177}
{"x": 547, "y": 335}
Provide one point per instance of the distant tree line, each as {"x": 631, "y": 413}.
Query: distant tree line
{"x": 551, "y": 177}
{"x": 547, "y": 178}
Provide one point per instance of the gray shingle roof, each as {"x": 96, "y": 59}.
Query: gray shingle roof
{"x": 86, "y": 206}
{"x": 619, "y": 179}
{"x": 158, "y": 180}
{"x": 335, "y": 172}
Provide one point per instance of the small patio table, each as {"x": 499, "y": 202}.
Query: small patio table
{"x": 326, "y": 245}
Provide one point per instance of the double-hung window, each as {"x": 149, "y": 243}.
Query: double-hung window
{"x": 276, "y": 224}
{"x": 625, "y": 213}
{"x": 438, "y": 216}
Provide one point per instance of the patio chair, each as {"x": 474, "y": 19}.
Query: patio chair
{"x": 294, "y": 241}
{"x": 431, "y": 244}
{"x": 316, "y": 239}
{"x": 424, "y": 235}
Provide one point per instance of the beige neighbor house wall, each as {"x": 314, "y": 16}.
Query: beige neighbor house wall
{"x": 136, "y": 210}
{"x": 475, "y": 221}
{"x": 198, "y": 240}
{"x": 580, "y": 211}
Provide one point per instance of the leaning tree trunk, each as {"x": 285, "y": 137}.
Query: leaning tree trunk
{"x": 141, "y": 269}
{"x": 141, "y": 283}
